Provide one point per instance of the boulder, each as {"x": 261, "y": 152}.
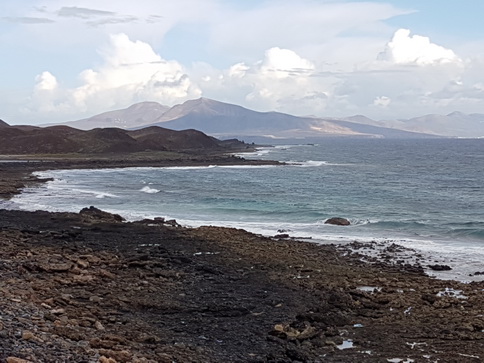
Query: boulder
{"x": 95, "y": 214}
{"x": 338, "y": 221}
{"x": 440, "y": 267}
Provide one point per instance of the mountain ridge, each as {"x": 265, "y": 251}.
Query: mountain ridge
{"x": 134, "y": 115}
{"x": 63, "y": 139}
{"x": 222, "y": 119}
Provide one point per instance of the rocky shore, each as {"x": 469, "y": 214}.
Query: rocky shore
{"x": 16, "y": 172}
{"x": 90, "y": 287}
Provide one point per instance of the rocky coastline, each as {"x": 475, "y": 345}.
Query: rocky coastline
{"x": 90, "y": 287}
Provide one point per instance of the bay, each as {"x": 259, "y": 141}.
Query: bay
{"x": 425, "y": 194}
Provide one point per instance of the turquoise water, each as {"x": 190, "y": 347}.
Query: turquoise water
{"x": 426, "y": 194}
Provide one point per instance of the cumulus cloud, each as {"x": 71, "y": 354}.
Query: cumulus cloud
{"x": 382, "y": 101}
{"x": 131, "y": 72}
{"x": 416, "y": 49}
{"x": 46, "y": 93}
{"x": 281, "y": 80}
{"x": 46, "y": 82}
{"x": 284, "y": 63}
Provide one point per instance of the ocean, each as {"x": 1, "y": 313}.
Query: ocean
{"x": 423, "y": 194}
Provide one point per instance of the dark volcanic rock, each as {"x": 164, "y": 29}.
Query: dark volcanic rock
{"x": 338, "y": 221}
{"x": 440, "y": 267}
{"x": 95, "y": 214}
{"x": 72, "y": 291}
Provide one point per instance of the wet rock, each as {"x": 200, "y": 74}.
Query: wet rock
{"x": 338, "y": 221}
{"x": 440, "y": 267}
{"x": 172, "y": 222}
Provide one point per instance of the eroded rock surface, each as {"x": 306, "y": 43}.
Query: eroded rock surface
{"x": 77, "y": 290}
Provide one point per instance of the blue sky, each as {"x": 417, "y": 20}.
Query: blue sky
{"x": 64, "y": 59}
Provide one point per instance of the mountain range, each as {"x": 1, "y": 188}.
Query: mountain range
{"x": 224, "y": 120}
{"x": 227, "y": 120}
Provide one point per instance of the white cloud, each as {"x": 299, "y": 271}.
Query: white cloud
{"x": 131, "y": 72}
{"x": 280, "y": 75}
{"x": 284, "y": 63}
{"x": 416, "y": 49}
{"x": 382, "y": 101}
{"x": 238, "y": 70}
{"x": 46, "y": 82}
{"x": 281, "y": 80}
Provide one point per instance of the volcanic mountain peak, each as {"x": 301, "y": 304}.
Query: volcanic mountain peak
{"x": 201, "y": 106}
{"x": 147, "y": 105}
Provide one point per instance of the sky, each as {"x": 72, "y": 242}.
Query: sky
{"x": 63, "y": 60}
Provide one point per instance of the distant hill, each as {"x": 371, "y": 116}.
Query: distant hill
{"x": 455, "y": 124}
{"x": 3, "y": 124}
{"x": 63, "y": 139}
{"x": 136, "y": 115}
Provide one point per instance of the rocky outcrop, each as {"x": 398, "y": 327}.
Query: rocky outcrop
{"x": 440, "y": 267}
{"x": 97, "y": 215}
{"x": 338, "y": 221}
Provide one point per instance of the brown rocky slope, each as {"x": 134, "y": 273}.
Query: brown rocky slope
{"x": 28, "y": 140}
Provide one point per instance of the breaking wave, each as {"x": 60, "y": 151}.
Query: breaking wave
{"x": 149, "y": 190}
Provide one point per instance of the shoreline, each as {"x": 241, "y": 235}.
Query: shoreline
{"x": 433, "y": 265}
{"x": 95, "y": 288}
{"x": 16, "y": 172}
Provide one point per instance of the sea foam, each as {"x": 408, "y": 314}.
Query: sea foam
{"x": 149, "y": 190}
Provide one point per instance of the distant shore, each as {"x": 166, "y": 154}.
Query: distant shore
{"x": 16, "y": 171}
{"x": 89, "y": 286}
